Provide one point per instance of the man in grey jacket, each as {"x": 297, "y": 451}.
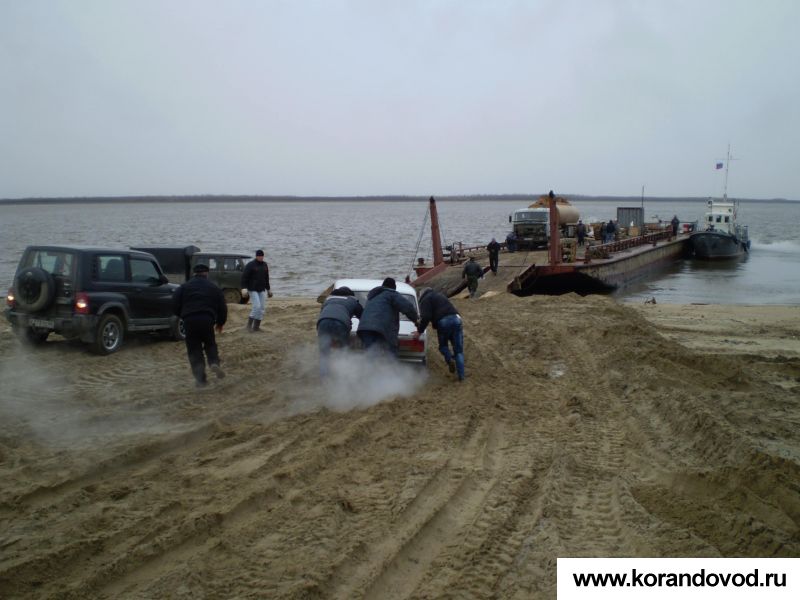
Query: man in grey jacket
{"x": 334, "y": 324}
{"x": 380, "y": 322}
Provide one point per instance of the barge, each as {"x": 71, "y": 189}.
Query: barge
{"x": 559, "y": 269}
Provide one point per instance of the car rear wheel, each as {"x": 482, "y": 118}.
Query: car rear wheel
{"x": 232, "y": 296}
{"x": 110, "y": 334}
{"x": 35, "y": 289}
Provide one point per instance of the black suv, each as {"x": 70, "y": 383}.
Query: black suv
{"x": 96, "y": 295}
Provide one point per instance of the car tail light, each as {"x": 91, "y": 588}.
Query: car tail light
{"x": 81, "y": 303}
{"x": 11, "y": 300}
{"x": 412, "y": 345}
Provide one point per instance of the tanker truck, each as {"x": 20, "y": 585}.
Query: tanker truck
{"x": 532, "y": 224}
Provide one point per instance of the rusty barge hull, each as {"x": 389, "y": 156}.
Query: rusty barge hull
{"x": 619, "y": 270}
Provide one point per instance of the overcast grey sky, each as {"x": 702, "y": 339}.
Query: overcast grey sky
{"x": 398, "y": 97}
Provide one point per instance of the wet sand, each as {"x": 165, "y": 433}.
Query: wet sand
{"x": 585, "y": 428}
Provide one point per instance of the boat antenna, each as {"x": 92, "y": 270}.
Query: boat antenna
{"x": 728, "y": 160}
{"x": 419, "y": 240}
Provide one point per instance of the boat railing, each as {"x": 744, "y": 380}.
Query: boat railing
{"x": 604, "y": 250}
{"x": 458, "y": 252}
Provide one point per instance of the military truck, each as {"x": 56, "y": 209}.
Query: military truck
{"x": 224, "y": 268}
{"x": 532, "y": 225}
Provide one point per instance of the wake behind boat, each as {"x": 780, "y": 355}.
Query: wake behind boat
{"x": 722, "y": 236}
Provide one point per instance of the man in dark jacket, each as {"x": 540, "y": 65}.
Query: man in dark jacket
{"x": 494, "y": 255}
{"x": 335, "y": 322}
{"x": 436, "y": 309}
{"x": 201, "y": 305}
{"x": 611, "y": 230}
{"x": 675, "y": 222}
{"x": 255, "y": 279}
{"x": 472, "y": 272}
{"x": 379, "y": 325}
{"x": 580, "y": 232}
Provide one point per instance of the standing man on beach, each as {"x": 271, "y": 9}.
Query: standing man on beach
{"x": 255, "y": 281}
{"x": 494, "y": 255}
{"x": 201, "y": 305}
{"x": 436, "y": 309}
{"x": 379, "y": 325}
{"x": 472, "y": 272}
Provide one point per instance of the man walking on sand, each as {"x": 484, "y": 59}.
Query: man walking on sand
{"x": 494, "y": 255}
{"x": 379, "y": 325}
{"x": 472, "y": 272}
{"x": 255, "y": 281}
{"x": 201, "y": 305}
{"x": 436, "y": 309}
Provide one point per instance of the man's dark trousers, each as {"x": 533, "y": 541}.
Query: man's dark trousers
{"x": 200, "y": 339}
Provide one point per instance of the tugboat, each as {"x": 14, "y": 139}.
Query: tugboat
{"x": 722, "y": 236}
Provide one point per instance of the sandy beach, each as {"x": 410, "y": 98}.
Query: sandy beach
{"x": 585, "y": 428}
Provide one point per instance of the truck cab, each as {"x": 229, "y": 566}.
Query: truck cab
{"x": 531, "y": 226}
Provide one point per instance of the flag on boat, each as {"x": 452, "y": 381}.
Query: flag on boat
{"x": 719, "y": 166}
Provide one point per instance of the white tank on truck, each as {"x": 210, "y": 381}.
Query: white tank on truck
{"x": 566, "y": 212}
{"x": 532, "y": 224}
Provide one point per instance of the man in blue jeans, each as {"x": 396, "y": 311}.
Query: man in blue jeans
{"x": 255, "y": 280}
{"x": 435, "y": 308}
{"x": 334, "y": 324}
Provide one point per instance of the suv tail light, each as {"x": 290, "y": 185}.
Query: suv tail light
{"x": 11, "y": 300}
{"x": 81, "y": 304}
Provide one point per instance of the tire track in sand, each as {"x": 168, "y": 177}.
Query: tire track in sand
{"x": 433, "y": 521}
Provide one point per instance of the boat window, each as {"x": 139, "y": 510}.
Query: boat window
{"x": 727, "y": 219}
{"x": 710, "y": 219}
{"x": 719, "y": 218}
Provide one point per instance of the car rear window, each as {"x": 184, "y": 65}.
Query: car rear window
{"x": 362, "y": 299}
{"x": 55, "y": 262}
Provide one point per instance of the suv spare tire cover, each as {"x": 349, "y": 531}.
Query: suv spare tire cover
{"x": 35, "y": 289}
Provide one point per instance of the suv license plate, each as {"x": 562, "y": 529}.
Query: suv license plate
{"x": 41, "y": 323}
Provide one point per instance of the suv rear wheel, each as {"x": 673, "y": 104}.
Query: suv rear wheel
{"x": 110, "y": 334}
{"x": 178, "y": 331}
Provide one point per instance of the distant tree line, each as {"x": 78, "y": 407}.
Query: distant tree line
{"x": 521, "y": 198}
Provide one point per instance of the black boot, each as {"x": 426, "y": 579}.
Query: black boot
{"x": 250, "y": 323}
{"x": 256, "y": 324}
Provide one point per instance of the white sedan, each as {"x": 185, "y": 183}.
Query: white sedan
{"x": 409, "y": 347}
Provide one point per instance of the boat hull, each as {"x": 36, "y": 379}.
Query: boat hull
{"x": 715, "y": 244}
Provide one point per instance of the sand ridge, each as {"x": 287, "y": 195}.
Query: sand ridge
{"x": 585, "y": 428}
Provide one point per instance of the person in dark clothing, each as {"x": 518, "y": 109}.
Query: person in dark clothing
{"x": 334, "y": 324}
{"x": 603, "y": 235}
{"x": 472, "y": 272}
{"x": 675, "y": 222}
{"x": 611, "y": 230}
{"x": 494, "y": 255}
{"x": 255, "y": 280}
{"x": 511, "y": 242}
{"x": 379, "y": 325}
{"x": 201, "y": 305}
{"x": 580, "y": 232}
{"x": 436, "y": 309}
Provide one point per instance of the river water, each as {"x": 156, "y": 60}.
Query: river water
{"x": 310, "y": 244}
